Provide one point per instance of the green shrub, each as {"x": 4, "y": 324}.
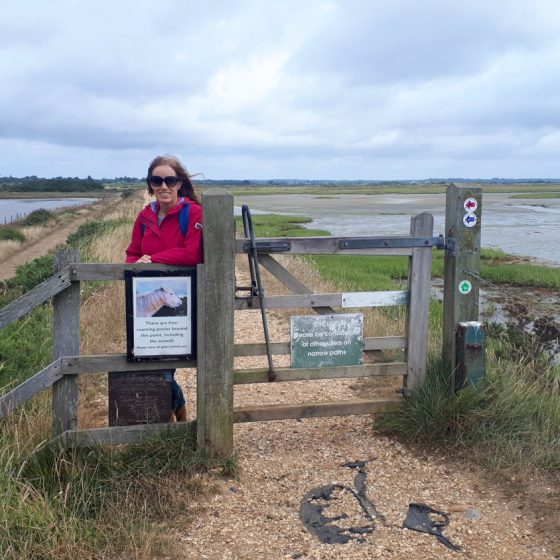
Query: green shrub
{"x": 38, "y": 217}
{"x": 11, "y": 234}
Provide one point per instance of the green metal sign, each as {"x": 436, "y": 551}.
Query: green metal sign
{"x": 327, "y": 340}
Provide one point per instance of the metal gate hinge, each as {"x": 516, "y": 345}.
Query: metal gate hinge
{"x": 439, "y": 243}
{"x": 268, "y": 246}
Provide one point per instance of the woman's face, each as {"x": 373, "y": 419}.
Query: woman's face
{"x": 165, "y": 194}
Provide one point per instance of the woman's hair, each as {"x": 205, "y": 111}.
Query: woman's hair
{"x": 187, "y": 188}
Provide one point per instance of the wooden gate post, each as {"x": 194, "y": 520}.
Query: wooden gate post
{"x": 461, "y": 267}
{"x": 66, "y": 343}
{"x": 216, "y": 293}
{"x": 419, "y": 281}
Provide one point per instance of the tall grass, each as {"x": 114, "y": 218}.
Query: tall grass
{"x": 508, "y": 422}
{"x": 98, "y": 503}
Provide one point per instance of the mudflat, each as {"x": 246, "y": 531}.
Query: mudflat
{"x": 524, "y": 227}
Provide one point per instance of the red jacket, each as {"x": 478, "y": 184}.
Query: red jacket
{"x": 167, "y": 244}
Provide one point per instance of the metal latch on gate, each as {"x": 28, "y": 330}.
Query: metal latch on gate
{"x": 268, "y": 246}
{"x": 439, "y": 243}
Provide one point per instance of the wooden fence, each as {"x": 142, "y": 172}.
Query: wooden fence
{"x": 217, "y": 302}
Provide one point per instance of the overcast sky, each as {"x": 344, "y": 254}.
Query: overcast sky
{"x": 318, "y": 89}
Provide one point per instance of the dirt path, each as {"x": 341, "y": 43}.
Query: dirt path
{"x": 56, "y": 236}
{"x": 258, "y": 516}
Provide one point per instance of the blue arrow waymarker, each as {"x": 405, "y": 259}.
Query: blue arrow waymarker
{"x": 469, "y": 220}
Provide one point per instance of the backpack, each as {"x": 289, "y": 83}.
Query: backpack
{"x": 183, "y": 220}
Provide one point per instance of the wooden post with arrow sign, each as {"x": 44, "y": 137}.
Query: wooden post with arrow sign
{"x": 461, "y": 272}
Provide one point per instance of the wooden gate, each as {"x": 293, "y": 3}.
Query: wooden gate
{"x": 216, "y": 373}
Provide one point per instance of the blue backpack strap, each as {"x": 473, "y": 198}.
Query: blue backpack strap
{"x": 184, "y": 218}
{"x": 184, "y": 214}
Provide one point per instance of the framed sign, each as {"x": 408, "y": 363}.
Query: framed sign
{"x": 160, "y": 314}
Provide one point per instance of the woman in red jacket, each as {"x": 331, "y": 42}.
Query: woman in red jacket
{"x": 158, "y": 235}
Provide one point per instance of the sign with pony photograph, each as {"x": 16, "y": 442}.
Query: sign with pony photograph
{"x": 160, "y": 314}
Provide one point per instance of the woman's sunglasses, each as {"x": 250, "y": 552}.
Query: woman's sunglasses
{"x": 157, "y": 181}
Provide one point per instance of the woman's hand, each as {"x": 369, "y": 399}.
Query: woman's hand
{"x": 144, "y": 259}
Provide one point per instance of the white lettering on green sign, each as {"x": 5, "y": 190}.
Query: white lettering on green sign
{"x": 327, "y": 340}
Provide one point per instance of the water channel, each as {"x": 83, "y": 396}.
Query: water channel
{"x": 12, "y": 209}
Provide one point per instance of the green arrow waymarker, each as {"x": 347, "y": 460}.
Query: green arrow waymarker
{"x": 465, "y": 287}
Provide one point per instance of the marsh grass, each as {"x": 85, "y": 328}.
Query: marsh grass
{"x": 508, "y": 422}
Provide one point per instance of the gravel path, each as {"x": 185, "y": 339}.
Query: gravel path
{"x": 257, "y": 516}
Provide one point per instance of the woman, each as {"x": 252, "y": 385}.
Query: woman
{"x": 159, "y": 234}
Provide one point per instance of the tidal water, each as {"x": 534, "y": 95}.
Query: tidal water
{"x": 523, "y": 227}
{"x": 12, "y": 209}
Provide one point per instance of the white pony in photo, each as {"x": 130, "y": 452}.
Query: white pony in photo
{"x": 151, "y": 302}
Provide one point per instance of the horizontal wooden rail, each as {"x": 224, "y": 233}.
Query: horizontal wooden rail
{"x": 30, "y": 387}
{"x": 313, "y": 410}
{"x": 35, "y": 297}
{"x": 351, "y": 299}
{"x": 242, "y": 376}
{"x": 101, "y": 271}
{"x": 325, "y": 246}
{"x": 119, "y": 435}
{"x": 278, "y": 348}
{"x": 72, "y": 365}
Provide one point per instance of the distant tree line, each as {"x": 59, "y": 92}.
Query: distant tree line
{"x": 57, "y": 184}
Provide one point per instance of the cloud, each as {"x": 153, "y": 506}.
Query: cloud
{"x": 260, "y": 89}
